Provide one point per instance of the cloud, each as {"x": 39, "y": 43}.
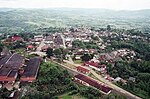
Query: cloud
{"x": 107, "y": 4}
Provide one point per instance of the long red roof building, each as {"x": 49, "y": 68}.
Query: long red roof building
{"x": 90, "y": 82}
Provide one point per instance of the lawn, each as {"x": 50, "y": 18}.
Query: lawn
{"x": 78, "y": 61}
{"x": 67, "y": 96}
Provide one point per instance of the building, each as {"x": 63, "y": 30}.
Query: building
{"x": 16, "y": 38}
{"x": 31, "y": 70}
{"x": 96, "y": 66}
{"x": 38, "y": 38}
{"x": 9, "y": 66}
{"x": 90, "y": 82}
{"x": 93, "y": 65}
{"x": 83, "y": 70}
{"x": 30, "y": 47}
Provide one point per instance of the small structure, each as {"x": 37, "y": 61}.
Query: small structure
{"x": 83, "y": 70}
{"x": 96, "y": 66}
{"x": 38, "y": 38}
{"x": 132, "y": 79}
{"x": 16, "y": 38}
{"x": 30, "y": 47}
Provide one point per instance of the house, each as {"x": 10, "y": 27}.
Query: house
{"x": 107, "y": 77}
{"x": 38, "y": 38}
{"x": 93, "y": 65}
{"x": 92, "y": 51}
{"x": 119, "y": 79}
{"x": 96, "y": 66}
{"x": 83, "y": 70}
{"x": 29, "y": 74}
{"x": 132, "y": 79}
{"x": 58, "y": 40}
{"x": 16, "y": 38}
{"x": 30, "y": 47}
{"x": 85, "y": 80}
{"x": 49, "y": 39}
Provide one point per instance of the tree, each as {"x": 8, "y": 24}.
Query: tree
{"x": 57, "y": 52}
{"x": 86, "y": 57}
{"x": 49, "y": 52}
{"x": 108, "y": 27}
{"x": 1, "y": 47}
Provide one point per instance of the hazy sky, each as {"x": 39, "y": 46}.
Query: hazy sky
{"x": 106, "y": 4}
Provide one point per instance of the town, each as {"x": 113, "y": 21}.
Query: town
{"x": 91, "y": 56}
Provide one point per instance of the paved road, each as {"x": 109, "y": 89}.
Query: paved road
{"x": 40, "y": 46}
{"x": 114, "y": 87}
{"x": 70, "y": 59}
{"x": 38, "y": 50}
{"x": 75, "y": 72}
{"x": 63, "y": 41}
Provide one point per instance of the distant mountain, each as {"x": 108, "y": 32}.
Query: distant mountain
{"x": 22, "y": 20}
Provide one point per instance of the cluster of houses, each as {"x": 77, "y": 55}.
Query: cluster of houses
{"x": 97, "y": 63}
{"x": 14, "y": 68}
{"x": 13, "y": 39}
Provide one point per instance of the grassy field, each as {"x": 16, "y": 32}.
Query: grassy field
{"x": 78, "y": 62}
{"x": 67, "y": 96}
{"x": 69, "y": 65}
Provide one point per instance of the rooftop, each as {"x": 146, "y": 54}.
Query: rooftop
{"x": 94, "y": 83}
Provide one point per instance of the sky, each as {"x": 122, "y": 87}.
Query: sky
{"x": 104, "y": 4}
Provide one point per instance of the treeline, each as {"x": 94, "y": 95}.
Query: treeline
{"x": 139, "y": 70}
{"x": 142, "y": 48}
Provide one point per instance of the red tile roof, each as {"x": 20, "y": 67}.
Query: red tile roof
{"x": 94, "y": 83}
{"x": 92, "y": 63}
{"x": 30, "y": 46}
{"x": 16, "y": 38}
{"x": 79, "y": 68}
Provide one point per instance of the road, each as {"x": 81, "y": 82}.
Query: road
{"x": 63, "y": 41}
{"x": 113, "y": 86}
{"x": 38, "y": 50}
{"x": 40, "y": 46}
{"x": 75, "y": 72}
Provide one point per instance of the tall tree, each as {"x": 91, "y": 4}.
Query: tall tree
{"x": 49, "y": 52}
{"x": 86, "y": 57}
{"x": 108, "y": 27}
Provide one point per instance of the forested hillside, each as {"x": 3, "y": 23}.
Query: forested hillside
{"x": 29, "y": 20}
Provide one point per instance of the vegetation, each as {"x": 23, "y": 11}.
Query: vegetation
{"x": 53, "y": 81}
{"x": 1, "y": 46}
{"x": 86, "y": 57}
{"x": 140, "y": 71}
{"x": 52, "y": 20}
{"x": 49, "y": 52}
{"x": 84, "y": 45}
{"x": 114, "y": 96}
